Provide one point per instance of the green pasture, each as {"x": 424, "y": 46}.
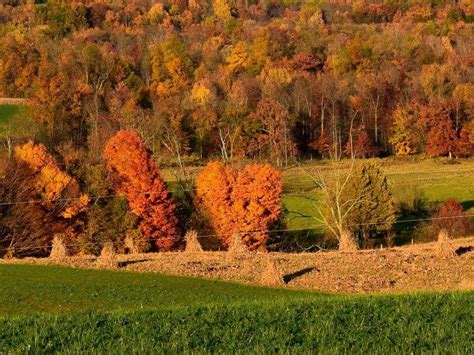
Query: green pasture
{"x": 55, "y": 309}
{"x": 434, "y": 181}
{"x": 16, "y": 121}
{"x": 431, "y": 180}
{"x": 7, "y": 112}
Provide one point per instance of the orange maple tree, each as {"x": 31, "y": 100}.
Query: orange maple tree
{"x": 257, "y": 202}
{"x": 57, "y": 190}
{"x": 134, "y": 174}
{"x": 214, "y": 185}
{"x": 245, "y": 202}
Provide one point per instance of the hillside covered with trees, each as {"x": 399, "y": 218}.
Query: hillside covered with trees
{"x": 113, "y": 87}
{"x": 267, "y": 79}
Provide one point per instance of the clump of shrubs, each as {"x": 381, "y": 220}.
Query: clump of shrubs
{"x": 452, "y": 217}
{"x": 449, "y": 218}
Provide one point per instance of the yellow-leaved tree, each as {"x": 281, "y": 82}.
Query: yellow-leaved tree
{"x": 56, "y": 189}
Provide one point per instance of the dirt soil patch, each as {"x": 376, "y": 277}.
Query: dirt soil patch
{"x": 401, "y": 269}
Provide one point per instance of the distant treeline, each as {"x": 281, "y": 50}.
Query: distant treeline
{"x": 266, "y": 79}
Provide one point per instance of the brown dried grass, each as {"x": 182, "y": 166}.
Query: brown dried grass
{"x": 237, "y": 246}
{"x": 192, "y": 242}
{"x": 444, "y": 246}
{"x": 108, "y": 257}
{"x": 130, "y": 245}
{"x": 347, "y": 242}
{"x": 58, "y": 250}
{"x": 9, "y": 254}
{"x": 271, "y": 276}
{"x": 400, "y": 269}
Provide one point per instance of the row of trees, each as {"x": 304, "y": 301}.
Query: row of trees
{"x": 39, "y": 201}
{"x": 245, "y": 79}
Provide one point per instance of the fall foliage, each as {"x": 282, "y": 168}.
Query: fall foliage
{"x": 239, "y": 201}
{"x": 47, "y": 201}
{"x": 55, "y": 188}
{"x": 256, "y": 201}
{"x": 134, "y": 174}
{"x": 451, "y": 217}
{"x": 279, "y": 81}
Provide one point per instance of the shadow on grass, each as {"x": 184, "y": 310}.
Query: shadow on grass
{"x": 464, "y": 250}
{"x": 467, "y": 205}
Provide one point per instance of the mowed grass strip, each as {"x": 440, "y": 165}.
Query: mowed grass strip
{"x": 433, "y": 180}
{"x": 220, "y": 317}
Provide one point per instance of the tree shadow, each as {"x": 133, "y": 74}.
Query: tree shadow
{"x": 290, "y": 277}
{"x": 131, "y": 262}
{"x": 464, "y": 250}
{"x": 467, "y": 204}
{"x": 298, "y": 241}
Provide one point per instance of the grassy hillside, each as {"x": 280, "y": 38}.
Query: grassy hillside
{"x": 99, "y": 311}
{"x": 58, "y": 289}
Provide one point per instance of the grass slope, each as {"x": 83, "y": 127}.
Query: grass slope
{"x": 432, "y": 180}
{"x": 7, "y": 112}
{"x": 59, "y": 289}
{"x": 110, "y": 312}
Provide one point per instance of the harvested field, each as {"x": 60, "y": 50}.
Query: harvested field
{"x": 401, "y": 269}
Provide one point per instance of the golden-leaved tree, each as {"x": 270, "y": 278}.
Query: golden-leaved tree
{"x": 39, "y": 201}
{"x": 56, "y": 189}
{"x": 244, "y": 201}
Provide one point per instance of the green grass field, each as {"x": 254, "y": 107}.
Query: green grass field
{"x": 54, "y": 309}
{"x": 17, "y": 121}
{"x": 433, "y": 180}
{"x": 7, "y": 112}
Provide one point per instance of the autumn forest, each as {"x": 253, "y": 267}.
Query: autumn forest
{"x": 113, "y": 91}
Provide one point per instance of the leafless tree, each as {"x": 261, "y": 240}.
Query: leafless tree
{"x": 334, "y": 208}
{"x": 22, "y": 220}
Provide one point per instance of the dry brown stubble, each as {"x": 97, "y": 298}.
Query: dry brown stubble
{"x": 271, "y": 276}
{"x": 347, "y": 242}
{"x": 400, "y": 269}
{"x": 130, "y": 245}
{"x": 237, "y": 246}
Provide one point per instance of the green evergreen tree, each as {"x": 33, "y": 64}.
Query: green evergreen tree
{"x": 374, "y": 213}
